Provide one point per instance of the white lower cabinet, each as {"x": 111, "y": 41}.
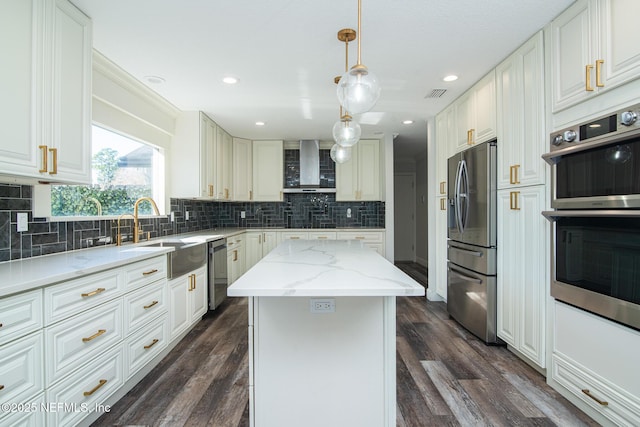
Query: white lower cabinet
{"x": 20, "y": 315}
{"x": 21, "y": 373}
{"x": 441, "y": 247}
{"x": 522, "y": 271}
{"x": 257, "y": 245}
{"x": 83, "y": 390}
{"x": 79, "y": 339}
{"x": 145, "y": 344}
{"x": 370, "y": 239}
{"x": 64, "y": 351}
{"x": 594, "y": 364}
{"x": 235, "y": 257}
{"x": 187, "y": 300}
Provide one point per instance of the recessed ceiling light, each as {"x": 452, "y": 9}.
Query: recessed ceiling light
{"x": 259, "y": 123}
{"x": 230, "y": 80}
{"x": 156, "y": 80}
{"x": 450, "y": 78}
{"x": 407, "y": 122}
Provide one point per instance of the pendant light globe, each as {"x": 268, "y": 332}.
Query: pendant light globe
{"x": 346, "y": 132}
{"x": 358, "y": 90}
{"x": 340, "y": 154}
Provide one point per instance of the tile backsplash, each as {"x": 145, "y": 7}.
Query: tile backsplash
{"x": 297, "y": 211}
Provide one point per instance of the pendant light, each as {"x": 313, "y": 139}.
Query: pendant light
{"x": 346, "y": 132}
{"x": 340, "y": 154}
{"x": 358, "y": 89}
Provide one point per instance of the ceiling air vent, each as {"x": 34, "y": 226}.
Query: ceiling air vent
{"x": 436, "y": 93}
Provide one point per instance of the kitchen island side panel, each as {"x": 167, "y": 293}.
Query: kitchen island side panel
{"x": 320, "y": 369}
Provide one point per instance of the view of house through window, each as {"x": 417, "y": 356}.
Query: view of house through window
{"x": 123, "y": 170}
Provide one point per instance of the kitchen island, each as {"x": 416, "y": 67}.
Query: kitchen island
{"x": 322, "y": 335}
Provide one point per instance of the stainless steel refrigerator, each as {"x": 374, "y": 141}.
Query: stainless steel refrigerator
{"x": 471, "y": 252}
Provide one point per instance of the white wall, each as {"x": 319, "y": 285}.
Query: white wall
{"x": 422, "y": 203}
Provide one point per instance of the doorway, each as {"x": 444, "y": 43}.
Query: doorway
{"x": 404, "y": 216}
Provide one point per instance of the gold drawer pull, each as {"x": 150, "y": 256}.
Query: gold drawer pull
{"x": 54, "y": 153}
{"x": 92, "y": 293}
{"x": 442, "y": 187}
{"x": 146, "y": 273}
{"x": 154, "y": 342}
{"x": 513, "y": 200}
{"x": 322, "y": 237}
{"x": 294, "y": 237}
{"x": 45, "y": 159}
{"x": 599, "y": 63}
{"x": 360, "y": 237}
{"x": 150, "y": 305}
{"x": 443, "y": 204}
{"x": 250, "y": 194}
{"x": 588, "y": 393}
{"x": 96, "y": 388}
{"x": 210, "y": 190}
{"x": 235, "y": 256}
{"x": 94, "y": 336}
{"x": 588, "y": 86}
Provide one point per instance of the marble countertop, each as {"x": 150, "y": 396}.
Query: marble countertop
{"x": 311, "y": 268}
{"x": 31, "y": 273}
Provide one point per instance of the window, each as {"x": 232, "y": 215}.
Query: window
{"x": 123, "y": 170}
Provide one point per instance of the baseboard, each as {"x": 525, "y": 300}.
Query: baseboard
{"x": 423, "y": 262}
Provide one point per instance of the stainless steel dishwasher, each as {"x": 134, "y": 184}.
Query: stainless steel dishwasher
{"x": 218, "y": 278}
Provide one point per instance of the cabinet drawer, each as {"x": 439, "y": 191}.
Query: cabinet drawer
{"x": 87, "y": 387}
{"x": 322, "y": 235}
{"x": 144, "y": 304}
{"x": 604, "y": 347}
{"x": 615, "y": 404}
{"x": 293, "y": 235}
{"x": 146, "y": 344}
{"x": 21, "y": 375}
{"x": 33, "y": 417}
{"x": 365, "y": 235}
{"x": 20, "y": 315}
{"x": 72, "y": 297}
{"x": 144, "y": 272}
{"x": 75, "y": 341}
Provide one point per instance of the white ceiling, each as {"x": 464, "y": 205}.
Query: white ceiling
{"x": 286, "y": 54}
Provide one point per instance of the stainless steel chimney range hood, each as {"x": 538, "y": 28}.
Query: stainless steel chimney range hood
{"x": 310, "y": 169}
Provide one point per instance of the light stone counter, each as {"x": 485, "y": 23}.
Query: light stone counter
{"x": 324, "y": 268}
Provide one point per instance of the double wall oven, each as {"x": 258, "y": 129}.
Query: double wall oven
{"x": 596, "y": 221}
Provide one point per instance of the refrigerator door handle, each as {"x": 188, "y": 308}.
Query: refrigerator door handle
{"x": 457, "y": 196}
{"x": 465, "y": 277}
{"x": 464, "y": 178}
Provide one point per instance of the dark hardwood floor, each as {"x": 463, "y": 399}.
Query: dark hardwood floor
{"x": 445, "y": 377}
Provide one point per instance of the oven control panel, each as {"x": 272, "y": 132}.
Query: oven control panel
{"x": 621, "y": 121}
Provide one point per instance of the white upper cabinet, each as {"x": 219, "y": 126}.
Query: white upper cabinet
{"x": 46, "y": 91}
{"x": 268, "y": 171}
{"x": 359, "y": 178}
{"x": 593, "y": 49}
{"x": 223, "y": 163}
{"x": 192, "y": 156}
{"x": 445, "y": 139}
{"x": 201, "y": 158}
{"x": 242, "y": 170}
{"x": 521, "y": 125}
{"x": 475, "y": 113}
